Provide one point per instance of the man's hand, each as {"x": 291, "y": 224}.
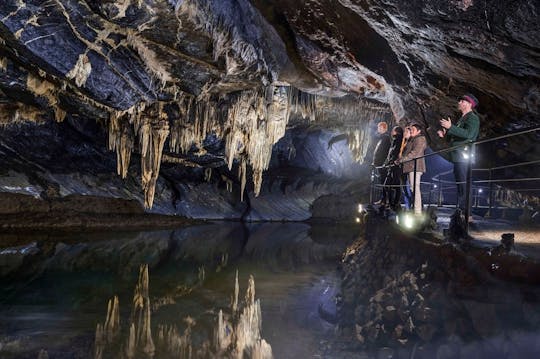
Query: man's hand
{"x": 441, "y": 133}
{"x": 445, "y": 123}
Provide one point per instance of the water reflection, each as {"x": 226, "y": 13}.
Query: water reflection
{"x": 54, "y": 295}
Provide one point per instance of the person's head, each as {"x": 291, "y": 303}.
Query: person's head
{"x": 382, "y": 127}
{"x": 467, "y": 103}
{"x": 416, "y": 129}
{"x": 407, "y": 132}
{"x": 397, "y": 132}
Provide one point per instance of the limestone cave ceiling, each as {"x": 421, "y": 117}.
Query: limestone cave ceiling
{"x": 162, "y": 76}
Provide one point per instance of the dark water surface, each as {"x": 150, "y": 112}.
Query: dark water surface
{"x": 52, "y": 296}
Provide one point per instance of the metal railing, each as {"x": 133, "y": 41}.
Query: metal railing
{"x": 469, "y": 181}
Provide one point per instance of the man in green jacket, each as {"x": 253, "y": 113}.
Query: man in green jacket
{"x": 464, "y": 131}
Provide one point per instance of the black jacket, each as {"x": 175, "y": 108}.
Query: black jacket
{"x": 381, "y": 150}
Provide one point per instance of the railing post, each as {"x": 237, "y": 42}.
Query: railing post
{"x": 488, "y": 214}
{"x": 414, "y": 188}
{"x": 371, "y": 186}
{"x": 440, "y": 192}
{"x": 468, "y": 189}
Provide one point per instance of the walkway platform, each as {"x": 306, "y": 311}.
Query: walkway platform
{"x": 488, "y": 231}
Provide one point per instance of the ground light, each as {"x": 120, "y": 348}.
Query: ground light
{"x": 409, "y": 221}
{"x": 360, "y": 210}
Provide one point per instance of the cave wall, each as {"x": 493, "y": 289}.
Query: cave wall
{"x": 199, "y": 84}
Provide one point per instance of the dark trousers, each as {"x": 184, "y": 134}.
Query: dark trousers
{"x": 392, "y": 186}
{"x": 381, "y": 176}
{"x": 460, "y": 173}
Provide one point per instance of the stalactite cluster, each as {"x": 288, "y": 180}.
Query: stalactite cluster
{"x": 250, "y": 123}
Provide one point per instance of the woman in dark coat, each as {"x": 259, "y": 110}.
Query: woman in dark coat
{"x": 392, "y": 182}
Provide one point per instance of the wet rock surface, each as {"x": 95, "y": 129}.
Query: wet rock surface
{"x": 434, "y": 300}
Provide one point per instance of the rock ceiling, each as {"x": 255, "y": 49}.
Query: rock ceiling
{"x": 163, "y": 75}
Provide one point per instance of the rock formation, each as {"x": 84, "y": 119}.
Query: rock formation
{"x": 216, "y": 84}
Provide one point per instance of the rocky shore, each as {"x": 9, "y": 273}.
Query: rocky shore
{"x": 406, "y": 297}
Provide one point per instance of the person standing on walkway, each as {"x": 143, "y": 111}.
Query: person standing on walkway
{"x": 404, "y": 182}
{"x": 379, "y": 156}
{"x": 465, "y": 130}
{"x": 392, "y": 182}
{"x": 416, "y": 145}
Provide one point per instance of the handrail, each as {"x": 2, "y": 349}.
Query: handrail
{"x": 444, "y": 150}
{"x": 507, "y": 166}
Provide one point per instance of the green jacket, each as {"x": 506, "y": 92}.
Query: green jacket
{"x": 465, "y": 130}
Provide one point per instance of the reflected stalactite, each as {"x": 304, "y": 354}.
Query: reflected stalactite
{"x": 177, "y": 345}
{"x": 140, "y": 338}
{"x": 108, "y": 333}
{"x": 235, "y": 335}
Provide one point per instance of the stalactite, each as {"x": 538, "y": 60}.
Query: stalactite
{"x": 152, "y": 136}
{"x": 239, "y": 54}
{"x": 148, "y": 57}
{"x": 121, "y": 141}
{"x": 207, "y": 174}
{"x": 242, "y": 175}
{"x": 249, "y": 121}
{"x": 81, "y": 70}
{"x": 228, "y": 183}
